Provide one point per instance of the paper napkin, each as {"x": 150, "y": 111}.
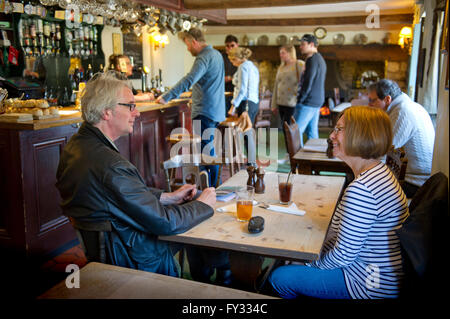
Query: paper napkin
{"x": 291, "y": 209}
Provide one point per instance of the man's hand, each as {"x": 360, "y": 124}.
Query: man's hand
{"x": 160, "y": 100}
{"x": 208, "y": 196}
{"x": 183, "y": 194}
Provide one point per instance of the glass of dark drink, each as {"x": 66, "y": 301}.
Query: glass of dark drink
{"x": 285, "y": 188}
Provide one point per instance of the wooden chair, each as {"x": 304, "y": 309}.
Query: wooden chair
{"x": 292, "y": 135}
{"x": 191, "y": 169}
{"x": 232, "y": 150}
{"x": 91, "y": 236}
{"x": 264, "y": 114}
{"x": 396, "y": 160}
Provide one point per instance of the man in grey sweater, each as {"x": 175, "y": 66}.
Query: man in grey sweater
{"x": 412, "y": 129}
{"x": 311, "y": 93}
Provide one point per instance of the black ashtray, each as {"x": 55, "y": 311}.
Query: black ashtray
{"x": 256, "y": 224}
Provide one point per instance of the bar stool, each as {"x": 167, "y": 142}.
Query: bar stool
{"x": 187, "y": 142}
{"x": 232, "y": 150}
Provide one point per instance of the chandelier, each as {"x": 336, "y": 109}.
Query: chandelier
{"x": 131, "y": 16}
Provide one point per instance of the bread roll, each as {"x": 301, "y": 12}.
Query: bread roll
{"x": 53, "y": 110}
{"x": 37, "y": 112}
{"x": 45, "y": 111}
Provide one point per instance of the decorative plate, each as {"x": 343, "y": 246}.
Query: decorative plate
{"x": 320, "y": 32}
{"x": 262, "y": 40}
{"x": 294, "y": 40}
{"x": 339, "y": 39}
{"x": 282, "y": 39}
{"x": 360, "y": 38}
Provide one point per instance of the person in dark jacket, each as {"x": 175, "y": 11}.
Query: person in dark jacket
{"x": 311, "y": 93}
{"x": 231, "y": 42}
{"x": 98, "y": 184}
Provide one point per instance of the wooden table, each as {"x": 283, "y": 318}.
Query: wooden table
{"x": 284, "y": 236}
{"x": 102, "y": 281}
{"x": 313, "y": 162}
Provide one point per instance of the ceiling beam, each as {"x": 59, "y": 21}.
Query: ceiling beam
{"x": 384, "y": 19}
{"x": 232, "y": 4}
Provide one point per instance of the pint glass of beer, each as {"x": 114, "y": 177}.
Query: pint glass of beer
{"x": 245, "y": 203}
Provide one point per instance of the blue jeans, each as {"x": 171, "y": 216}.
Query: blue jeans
{"x": 294, "y": 280}
{"x": 213, "y": 170}
{"x": 307, "y": 118}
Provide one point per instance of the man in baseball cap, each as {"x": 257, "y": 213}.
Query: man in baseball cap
{"x": 310, "y": 39}
{"x": 311, "y": 92}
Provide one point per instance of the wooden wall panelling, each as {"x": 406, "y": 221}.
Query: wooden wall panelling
{"x": 170, "y": 119}
{"x": 146, "y": 147}
{"x": 46, "y": 228}
{"x": 11, "y": 195}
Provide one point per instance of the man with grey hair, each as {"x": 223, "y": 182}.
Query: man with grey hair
{"x": 412, "y": 129}
{"x": 98, "y": 185}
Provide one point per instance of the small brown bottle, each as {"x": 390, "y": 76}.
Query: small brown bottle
{"x": 260, "y": 187}
{"x": 251, "y": 175}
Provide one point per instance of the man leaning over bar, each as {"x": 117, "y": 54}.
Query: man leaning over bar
{"x": 98, "y": 184}
{"x": 207, "y": 79}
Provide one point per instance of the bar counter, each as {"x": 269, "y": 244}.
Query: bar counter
{"x": 71, "y": 115}
{"x": 31, "y": 220}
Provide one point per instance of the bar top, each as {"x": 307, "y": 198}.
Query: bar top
{"x": 70, "y": 115}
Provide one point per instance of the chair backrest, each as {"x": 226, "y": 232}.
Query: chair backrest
{"x": 190, "y": 168}
{"x": 264, "y": 114}
{"x": 396, "y": 160}
{"x": 292, "y": 136}
{"x": 91, "y": 236}
{"x": 423, "y": 237}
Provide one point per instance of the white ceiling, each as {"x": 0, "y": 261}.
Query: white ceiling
{"x": 322, "y": 10}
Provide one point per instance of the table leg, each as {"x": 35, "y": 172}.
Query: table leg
{"x": 304, "y": 167}
{"x": 245, "y": 269}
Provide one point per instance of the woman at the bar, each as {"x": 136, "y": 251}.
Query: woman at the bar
{"x": 122, "y": 63}
{"x": 361, "y": 258}
{"x": 246, "y": 95}
{"x": 246, "y": 84}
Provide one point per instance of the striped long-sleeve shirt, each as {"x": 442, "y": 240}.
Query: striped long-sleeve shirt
{"x": 361, "y": 238}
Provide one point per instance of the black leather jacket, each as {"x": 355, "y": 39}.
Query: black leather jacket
{"x": 96, "y": 183}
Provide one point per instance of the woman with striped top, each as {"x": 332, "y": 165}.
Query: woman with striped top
{"x": 361, "y": 256}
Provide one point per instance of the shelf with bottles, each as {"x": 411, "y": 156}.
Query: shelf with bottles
{"x": 82, "y": 40}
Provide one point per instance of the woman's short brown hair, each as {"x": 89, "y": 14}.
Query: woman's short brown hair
{"x": 367, "y": 132}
